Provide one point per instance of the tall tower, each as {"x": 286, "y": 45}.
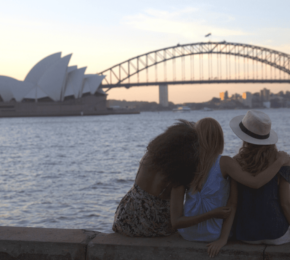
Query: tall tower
{"x": 224, "y": 95}
{"x": 163, "y": 95}
{"x": 265, "y": 94}
{"x": 247, "y": 99}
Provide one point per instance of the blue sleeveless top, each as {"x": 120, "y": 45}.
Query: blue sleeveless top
{"x": 259, "y": 214}
{"x": 214, "y": 194}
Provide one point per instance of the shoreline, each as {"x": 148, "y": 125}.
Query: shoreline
{"x": 13, "y": 114}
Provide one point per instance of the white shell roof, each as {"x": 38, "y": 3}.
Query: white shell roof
{"x": 36, "y": 93}
{"x": 21, "y": 89}
{"x": 5, "y": 88}
{"x": 39, "y": 69}
{"x": 50, "y": 77}
{"x": 11, "y": 88}
{"x": 71, "y": 68}
{"x": 74, "y": 82}
{"x": 92, "y": 83}
{"x": 53, "y": 79}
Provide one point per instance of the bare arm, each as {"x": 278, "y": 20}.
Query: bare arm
{"x": 176, "y": 211}
{"x": 284, "y": 197}
{"x": 230, "y": 166}
{"x": 214, "y": 247}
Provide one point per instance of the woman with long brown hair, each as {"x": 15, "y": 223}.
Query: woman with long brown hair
{"x": 263, "y": 215}
{"x": 211, "y": 188}
{"x": 170, "y": 160}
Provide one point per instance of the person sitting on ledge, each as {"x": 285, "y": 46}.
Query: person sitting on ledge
{"x": 263, "y": 215}
{"x": 212, "y": 188}
{"x": 171, "y": 160}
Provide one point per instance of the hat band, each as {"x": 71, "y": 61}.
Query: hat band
{"x": 248, "y": 132}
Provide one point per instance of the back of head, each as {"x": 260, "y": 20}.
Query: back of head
{"x": 174, "y": 153}
{"x": 211, "y": 144}
{"x": 259, "y": 149}
{"x": 255, "y": 158}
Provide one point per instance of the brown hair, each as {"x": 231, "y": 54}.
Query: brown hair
{"x": 174, "y": 153}
{"x": 256, "y": 158}
{"x": 211, "y": 144}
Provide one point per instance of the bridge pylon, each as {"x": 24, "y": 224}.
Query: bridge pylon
{"x": 163, "y": 95}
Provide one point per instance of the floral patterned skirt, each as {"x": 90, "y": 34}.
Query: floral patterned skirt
{"x": 141, "y": 214}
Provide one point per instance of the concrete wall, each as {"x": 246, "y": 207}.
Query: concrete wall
{"x": 18, "y": 243}
{"x": 87, "y": 105}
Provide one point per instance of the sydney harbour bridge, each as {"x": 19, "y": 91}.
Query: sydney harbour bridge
{"x": 201, "y": 63}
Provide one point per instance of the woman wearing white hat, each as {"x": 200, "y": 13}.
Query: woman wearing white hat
{"x": 211, "y": 188}
{"x": 263, "y": 215}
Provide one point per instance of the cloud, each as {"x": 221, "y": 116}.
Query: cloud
{"x": 170, "y": 15}
{"x": 188, "y": 23}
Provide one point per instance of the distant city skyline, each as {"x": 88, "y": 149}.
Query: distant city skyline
{"x": 262, "y": 99}
{"x": 101, "y": 34}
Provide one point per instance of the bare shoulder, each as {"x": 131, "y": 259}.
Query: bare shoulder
{"x": 237, "y": 156}
{"x": 225, "y": 163}
{"x": 225, "y": 160}
{"x": 230, "y": 160}
{"x": 228, "y": 164}
{"x": 282, "y": 154}
{"x": 287, "y": 164}
{"x": 178, "y": 190}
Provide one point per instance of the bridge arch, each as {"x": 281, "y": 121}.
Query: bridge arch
{"x": 117, "y": 75}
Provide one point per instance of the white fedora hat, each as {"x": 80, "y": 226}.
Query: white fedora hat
{"x": 254, "y": 128}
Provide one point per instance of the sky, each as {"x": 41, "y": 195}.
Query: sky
{"x": 101, "y": 34}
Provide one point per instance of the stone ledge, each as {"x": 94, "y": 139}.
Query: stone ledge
{"x": 43, "y": 243}
{"x": 118, "y": 247}
{"x": 278, "y": 252}
{"x": 19, "y": 243}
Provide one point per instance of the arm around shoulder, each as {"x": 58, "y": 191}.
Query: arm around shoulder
{"x": 284, "y": 197}
{"x": 178, "y": 220}
{"x": 176, "y": 205}
{"x": 231, "y": 167}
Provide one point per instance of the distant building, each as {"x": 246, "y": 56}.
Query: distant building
{"x": 281, "y": 94}
{"x": 265, "y": 95}
{"x": 163, "y": 95}
{"x": 247, "y": 99}
{"x": 256, "y": 100}
{"x": 278, "y": 100}
{"x": 236, "y": 96}
{"x": 224, "y": 95}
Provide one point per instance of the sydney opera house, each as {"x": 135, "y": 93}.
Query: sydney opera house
{"x": 52, "y": 88}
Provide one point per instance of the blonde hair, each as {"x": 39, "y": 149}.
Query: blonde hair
{"x": 256, "y": 158}
{"x": 211, "y": 144}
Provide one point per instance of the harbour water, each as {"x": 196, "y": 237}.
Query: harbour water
{"x": 71, "y": 172}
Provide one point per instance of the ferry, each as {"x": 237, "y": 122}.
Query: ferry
{"x": 182, "y": 109}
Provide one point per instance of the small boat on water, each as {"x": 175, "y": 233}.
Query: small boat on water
{"x": 182, "y": 109}
{"x": 206, "y": 109}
